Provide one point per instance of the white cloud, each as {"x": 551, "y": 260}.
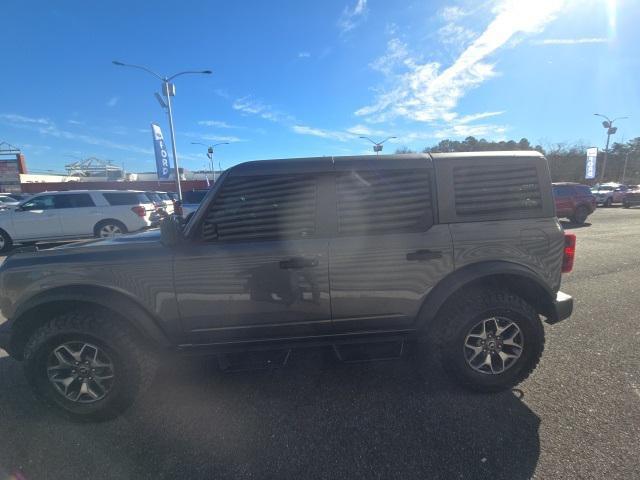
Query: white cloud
{"x": 304, "y": 54}
{"x": 570, "y": 41}
{"x": 319, "y": 132}
{"x": 476, "y": 116}
{"x": 251, "y": 106}
{"x": 216, "y": 124}
{"x": 48, "y": 128}
{"x": 212, "y": 138}
{"x": 396, "y": 53}
{"x": 113, "y": 101}
{"x": 12, "y": 117}
{"x": 456, "y": 35}
{"x": 464, "y": 130}
{"x": 452, "y": 13}
{"x": 360, "y": 129}
{"x": 75, "y": 122}
{"x": 351, "y": 17}
{"x": 427, "y": 92}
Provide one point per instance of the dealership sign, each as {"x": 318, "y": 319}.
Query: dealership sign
{"x": 162, "y": 157}
{"x": 590, "y": 168}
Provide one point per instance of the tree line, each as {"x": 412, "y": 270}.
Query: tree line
{"x": 566, "y": 161}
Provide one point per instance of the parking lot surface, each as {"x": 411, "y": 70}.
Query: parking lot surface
{"x": 578, "y": 416}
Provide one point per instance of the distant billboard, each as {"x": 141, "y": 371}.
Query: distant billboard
{"x": 10, "y": 174}
{"x": 590, "y": 167}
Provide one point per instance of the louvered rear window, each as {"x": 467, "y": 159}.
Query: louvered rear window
{"x": 263, "y": 207}
{"x": 384, "y": 201}
{"x": 500, "y": 189}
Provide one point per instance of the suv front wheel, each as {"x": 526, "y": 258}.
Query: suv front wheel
{"x": 87, "y": 365}
{"x": 490, "y": 340}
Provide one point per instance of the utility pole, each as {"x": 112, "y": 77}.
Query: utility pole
{"x": 624, "y": 170}
{"x": 608, "y": 124}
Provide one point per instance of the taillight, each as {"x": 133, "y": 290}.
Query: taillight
{"x": 139, "y": 210}
{"x": 569, "y": 252}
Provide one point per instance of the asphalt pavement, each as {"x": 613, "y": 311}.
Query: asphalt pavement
{"x": 577, "y": 416}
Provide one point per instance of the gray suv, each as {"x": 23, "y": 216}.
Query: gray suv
{"x": 463, "y": 250}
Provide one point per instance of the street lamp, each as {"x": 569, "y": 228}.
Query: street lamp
{"x": 168, "y": 90}
{"x": 377, "y": 146}
{"x": 608, "y": 124}
{"x": 210, "y": 155}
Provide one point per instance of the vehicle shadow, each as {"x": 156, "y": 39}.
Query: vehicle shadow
{"x": 567, "y": 225}
{"x": 313, "y": 418}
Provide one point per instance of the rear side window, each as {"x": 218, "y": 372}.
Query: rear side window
{"x": 73, "y": 200}
{"x": 126, "y": 198}
{"x": 496, "y": 189}
{"x": 562, "y": 191}
{"x": 384, "y": 201}
{"x": 263, "y": 207}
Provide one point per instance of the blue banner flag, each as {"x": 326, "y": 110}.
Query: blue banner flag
{"x": 162, "y": 157}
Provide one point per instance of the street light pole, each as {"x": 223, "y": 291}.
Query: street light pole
{"x": 608, "y": 124}
{"x": 377, "y": 146}
{"x": 168, "y": 90}
{"x": 167, "y": 93}
{"x": 210, "y": 149}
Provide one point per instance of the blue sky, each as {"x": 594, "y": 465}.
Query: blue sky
{"x": 303, "y": 78}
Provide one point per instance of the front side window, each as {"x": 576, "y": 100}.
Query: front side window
{"x": 383, "y": 201}
{"x": 44, "y": 202}
{"x": 263, "y": 207}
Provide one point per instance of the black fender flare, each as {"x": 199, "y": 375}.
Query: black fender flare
{"x": 539, "y": 293}
{"x": 127, "y": 307}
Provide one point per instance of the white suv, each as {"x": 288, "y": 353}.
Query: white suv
{"x": 53, "y": 216}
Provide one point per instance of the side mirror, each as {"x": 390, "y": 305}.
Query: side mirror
{"x": 171, "y": 231}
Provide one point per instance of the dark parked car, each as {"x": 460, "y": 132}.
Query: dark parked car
{"x": 462, "y": 250}
{"x": 574, "y": 201}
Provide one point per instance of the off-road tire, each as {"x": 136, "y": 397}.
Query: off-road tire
{"x": 135, "y": 362}
{"x": 580, "y": 215}
{"x": 466, "y": 311}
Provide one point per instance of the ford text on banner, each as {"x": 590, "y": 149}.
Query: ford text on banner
{"x": 162, "y": 157}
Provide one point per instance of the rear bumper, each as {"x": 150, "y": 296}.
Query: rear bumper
{"x": 562, "y": 308}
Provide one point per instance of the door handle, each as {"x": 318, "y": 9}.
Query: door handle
{"x": 298, "y": 262}
{"x": 423, "y": 255}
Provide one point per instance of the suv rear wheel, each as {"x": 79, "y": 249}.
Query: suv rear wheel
{"x": 580, "y": 215}
{"x": 109, "y": 228}
{"x": 490, "y": 340}
{"x": 87, "y": 365}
